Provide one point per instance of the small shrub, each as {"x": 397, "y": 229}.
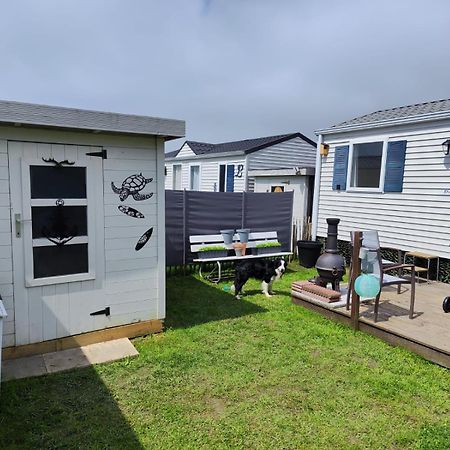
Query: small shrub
{"x": 212, "y": 248}
{"x": 268, "y": 244}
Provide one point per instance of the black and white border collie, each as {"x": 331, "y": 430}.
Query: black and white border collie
{"x": 265, "y": 270}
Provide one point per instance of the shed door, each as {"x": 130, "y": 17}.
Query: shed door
{"x": 57, "y": 217}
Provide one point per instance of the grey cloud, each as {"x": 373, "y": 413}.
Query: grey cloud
{"x": 231, "y": 68}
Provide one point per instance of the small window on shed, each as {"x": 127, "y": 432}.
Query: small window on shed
{"x": 366, "y": 165}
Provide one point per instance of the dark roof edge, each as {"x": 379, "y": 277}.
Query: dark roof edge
{"x": 419, "y": 118}
{"x": 284, "y": 138}
{"x": 279, "y": 141}
{"x": 171, "y": 154}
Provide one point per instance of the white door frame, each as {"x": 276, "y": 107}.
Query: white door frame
{"x": 26, "y": 225}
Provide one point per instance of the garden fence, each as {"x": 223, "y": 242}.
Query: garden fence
{"x": 193, "y": 213}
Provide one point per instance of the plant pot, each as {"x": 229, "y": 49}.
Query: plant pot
{"x": 213, "y": 254}
{"x": 243, "y": 234}
{"x": 308, "y": 252}
{"x": 227, "y": 236}
{"x": 267, "y": 250}
{"x": 240, "y": 248}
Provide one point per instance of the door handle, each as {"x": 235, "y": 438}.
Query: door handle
{"x": 18, "y": 224}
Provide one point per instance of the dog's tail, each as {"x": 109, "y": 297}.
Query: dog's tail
{"x": 232, "y": 288}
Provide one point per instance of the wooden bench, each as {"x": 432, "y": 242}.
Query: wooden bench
{"x": 254, "y": 239}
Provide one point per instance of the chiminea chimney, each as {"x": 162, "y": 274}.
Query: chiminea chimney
{"x": 331, "y": 265}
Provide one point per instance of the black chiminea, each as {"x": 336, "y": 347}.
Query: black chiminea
{"x": 331, "y": 265}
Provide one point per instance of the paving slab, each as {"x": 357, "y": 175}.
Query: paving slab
{"x": 69, "y": 359}
{"x": 109, "y": 351}
{"x": 31, "y": 366}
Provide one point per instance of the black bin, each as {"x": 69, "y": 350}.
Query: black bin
{"x": 308, "y": 252}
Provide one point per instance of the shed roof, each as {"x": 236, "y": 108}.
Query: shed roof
{"x": 419, "y": 112}
{"x": 244, "y": 146}
{"x": 44, "y": 116}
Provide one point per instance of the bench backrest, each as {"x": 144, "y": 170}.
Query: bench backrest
{"x": 206, "y": 240}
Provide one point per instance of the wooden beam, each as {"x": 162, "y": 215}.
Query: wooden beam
{"x": 356, "y": 271}
{"x": 79, "y": 340}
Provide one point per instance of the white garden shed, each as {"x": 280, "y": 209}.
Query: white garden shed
{"x": 82, "y": 229}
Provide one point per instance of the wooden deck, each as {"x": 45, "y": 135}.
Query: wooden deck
{"x": 427, "y": 334}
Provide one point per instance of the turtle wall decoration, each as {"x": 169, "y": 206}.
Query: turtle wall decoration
{"x": 132, "y": 185}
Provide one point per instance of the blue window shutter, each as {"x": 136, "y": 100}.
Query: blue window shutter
{"x": 340, "y": 168}
{"x": 395, "y": 166}
{"x": 230, "y": 178}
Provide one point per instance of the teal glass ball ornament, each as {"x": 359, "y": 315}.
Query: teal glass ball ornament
{"x": 367, "y": 285}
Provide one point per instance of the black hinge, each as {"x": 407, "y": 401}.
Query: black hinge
{"x": 106, "y": 312}
{"x": 102, "y": 154}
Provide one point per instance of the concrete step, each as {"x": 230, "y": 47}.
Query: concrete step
{"x": 72, "y": 358}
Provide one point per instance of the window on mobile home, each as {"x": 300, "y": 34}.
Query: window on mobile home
{"x": 195, "y": 178}
{"x": 176, "y": 177}
{"x": 366, "y": 165}
{"x": 226, "y": 178}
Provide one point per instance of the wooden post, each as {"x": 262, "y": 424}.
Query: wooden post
{"x": 356, "y": 270}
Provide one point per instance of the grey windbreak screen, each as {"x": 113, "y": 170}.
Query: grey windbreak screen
{"x": 270, "y": 212}
{"x": 174, "y": 228}
{"x": 191, "y": 213}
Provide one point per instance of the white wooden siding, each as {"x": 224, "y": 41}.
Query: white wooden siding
{"x": 417, "y": 218}
{"x": 285, "y": 155}
{"x": 127, "y": 281}
{"x": 6, "y": 277}
{"x": 131, "y": 278}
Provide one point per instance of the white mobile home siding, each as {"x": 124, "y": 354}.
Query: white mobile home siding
{"x": 209, "y": 173}
{"x": 185, "y": 151}
{"x": 417, "y": 218}
{"x": 168, "y": 178}
{"x": 285, "y": 155}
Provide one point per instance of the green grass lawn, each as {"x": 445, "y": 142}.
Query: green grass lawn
{"x": 255, "y": 373}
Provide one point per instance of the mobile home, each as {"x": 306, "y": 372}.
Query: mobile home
{"x": 389, "y": 171}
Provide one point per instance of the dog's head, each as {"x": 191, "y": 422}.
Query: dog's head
{"x": 280, "y": 267}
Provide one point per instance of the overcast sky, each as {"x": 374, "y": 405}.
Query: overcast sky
{"x": 232, "y": 69}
